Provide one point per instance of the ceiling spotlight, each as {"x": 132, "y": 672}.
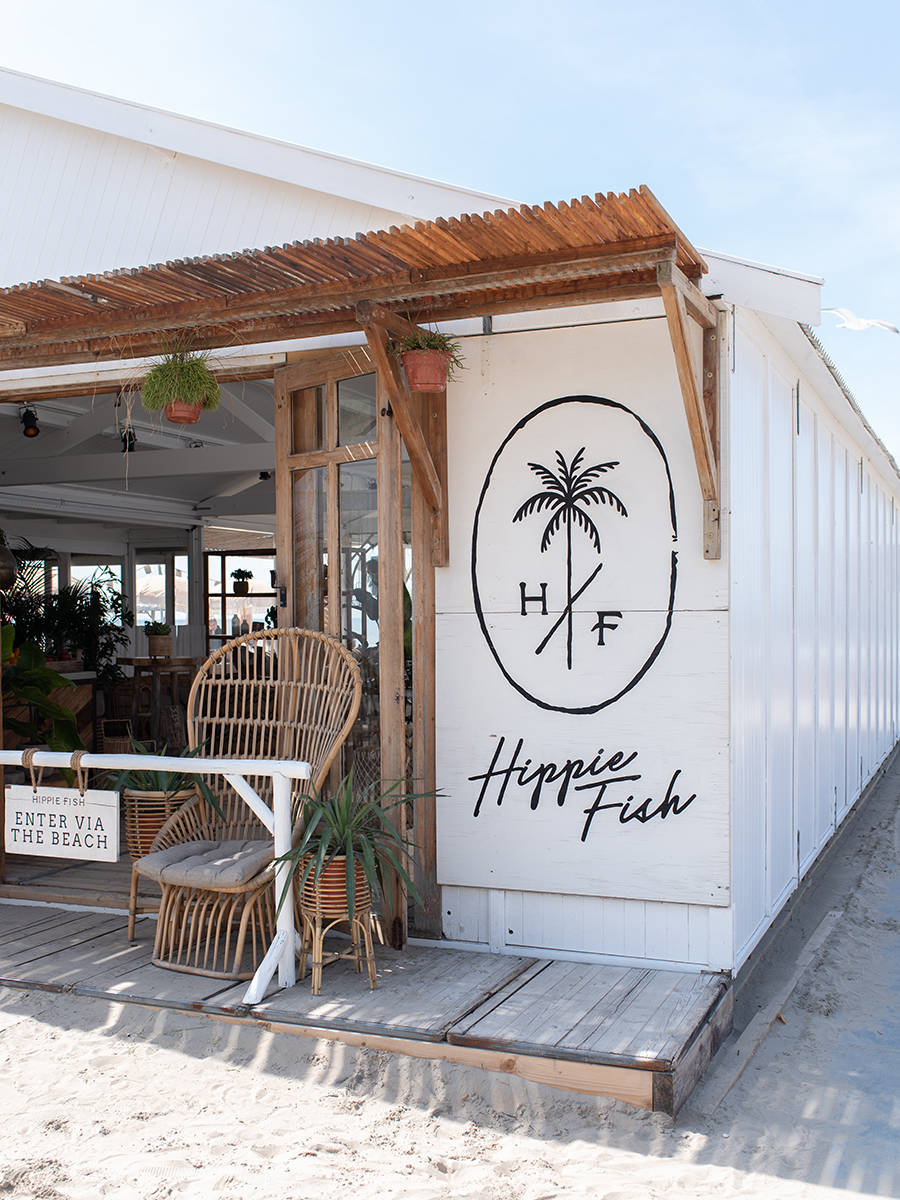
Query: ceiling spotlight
{"x": 129, "y": 440}
{"x": 264, "y": 475}
{"x": 28, "y": 418}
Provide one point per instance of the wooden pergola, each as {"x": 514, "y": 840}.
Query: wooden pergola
{"x": 612, "y": 247}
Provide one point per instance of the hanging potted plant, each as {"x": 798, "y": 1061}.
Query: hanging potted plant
{"x": 181, "y": 385}
{"x": 241, "y": 579}
{"x": 159, "y": 638}
{"x": 429, "y": 359}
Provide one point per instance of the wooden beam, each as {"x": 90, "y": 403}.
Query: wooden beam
{"x": 698, "y": 307}
{"x": 149, "y": 464}
{"x": 512, "y": 271}
{"x": 388, "y": 370}
{"x": 705, "y": 450}
{"x": 532, "y": 297}
{"x": 391, "y": 649}
{"x": 370, "y": 313}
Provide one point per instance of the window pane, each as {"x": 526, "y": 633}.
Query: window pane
{"x": 356, "y": 410}
{"x": 181, "y": 589}
{"x": 310, "y": 548}
{"x": 150, "y": 592}
{"x": 359, "y": 612}
{"x": 308, "y": 420}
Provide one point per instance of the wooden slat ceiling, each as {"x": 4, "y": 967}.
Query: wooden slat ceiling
{"x": 527, "y": 257}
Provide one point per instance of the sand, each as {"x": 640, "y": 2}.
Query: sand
{"x": 119, "y": 1101}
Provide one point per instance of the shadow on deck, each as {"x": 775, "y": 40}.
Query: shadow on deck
{"x": 639, "y": 1035}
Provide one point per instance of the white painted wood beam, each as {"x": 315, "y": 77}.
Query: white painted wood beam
{"x": 241, "y": 411}
{"x": 78, "y": 431}
{"x": 150, "y": 464}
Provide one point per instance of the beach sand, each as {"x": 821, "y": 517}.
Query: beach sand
{"x": 127, "y": 1103}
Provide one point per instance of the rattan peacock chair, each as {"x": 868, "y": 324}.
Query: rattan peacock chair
{"x": 288, "y": 694}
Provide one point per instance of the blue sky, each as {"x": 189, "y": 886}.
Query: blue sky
{"x": 768, "y": 130}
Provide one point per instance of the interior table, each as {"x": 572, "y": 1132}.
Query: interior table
{"x": 175, "y": 668}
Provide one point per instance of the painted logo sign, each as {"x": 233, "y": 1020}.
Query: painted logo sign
{"x": 573, "y": 565}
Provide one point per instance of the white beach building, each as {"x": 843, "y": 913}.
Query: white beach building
{"x": 650, "y": 540}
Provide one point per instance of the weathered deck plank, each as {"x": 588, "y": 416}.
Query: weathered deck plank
{"x": 636, "y": 1034}
{"x": 421, "y": 992}
{"x": 593, "y": 1013}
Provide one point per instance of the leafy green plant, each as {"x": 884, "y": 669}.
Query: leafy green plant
{"x": 88, "y": 616}
{"x": 152, "y": 779}
{"x": 241, "y": 573}
{"x": 430, "y": 339}
{"x": 156, "y": 628}
{"x": 355, "y": 828}
{"x": 184, "y": 375}
{"x": 28, "y": 681}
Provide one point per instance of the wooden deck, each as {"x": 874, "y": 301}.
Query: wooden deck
{"x": 639, "y": 1035}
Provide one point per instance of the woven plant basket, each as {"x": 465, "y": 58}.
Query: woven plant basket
{"x": 159, "y": 645}
{"x": 328, "y": 897}
{"x": 145, "y": 814}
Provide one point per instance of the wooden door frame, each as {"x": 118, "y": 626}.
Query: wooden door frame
{"x": 386, "y": 452}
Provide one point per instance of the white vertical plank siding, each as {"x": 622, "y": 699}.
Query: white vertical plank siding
{"x": 781, "y": 855}
{"x": 749, "y": 635}
{"x": 75, "y": 200}
{"x": 841, "y": 631}
{"x": 854, "y": 774}
{"x": 605, "y": 928}
{"x": 805, "y": 636}
{"x": 825, "y": 636}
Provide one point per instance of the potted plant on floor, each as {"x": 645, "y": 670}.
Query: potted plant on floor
{"x": 241, "y": 579}
{"x": 352, "y": 838}
{"x": 346, "y": 847}
{"x": 159, "y": 638}
{"x": 429, "y": 359}
{"x": 150, "y": 796}
{"x": 181, "y": 385}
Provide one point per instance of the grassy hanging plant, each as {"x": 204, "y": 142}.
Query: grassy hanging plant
{"x": 181, "y": 384}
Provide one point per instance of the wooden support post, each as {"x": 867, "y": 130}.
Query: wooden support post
{"x": 428, "y": 920}
{"x": 392, "y": 700}
{"x": 680, "y": 297}
{"x": 417, "y": 445}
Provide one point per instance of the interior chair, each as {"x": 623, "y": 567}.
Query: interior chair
{"x": 288, "y": 694}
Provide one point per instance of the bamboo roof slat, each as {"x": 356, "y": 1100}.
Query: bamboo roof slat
{"x": 455, "y": 265}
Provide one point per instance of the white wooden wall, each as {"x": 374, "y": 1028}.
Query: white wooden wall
{"x": 516, "y": 880}
{"x": 75, "y": 200}
{"x": 814, "y": 625}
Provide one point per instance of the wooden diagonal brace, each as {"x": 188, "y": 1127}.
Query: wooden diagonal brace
{"x": 420, "y": 458}
{"x": 701, "y": 399}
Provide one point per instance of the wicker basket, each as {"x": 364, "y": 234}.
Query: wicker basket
{"x": 328, "y": 897}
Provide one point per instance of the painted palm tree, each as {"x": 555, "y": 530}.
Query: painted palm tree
{"x": 567, "y": 494}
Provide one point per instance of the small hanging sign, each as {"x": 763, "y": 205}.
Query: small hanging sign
{"x": 56, "y": 822}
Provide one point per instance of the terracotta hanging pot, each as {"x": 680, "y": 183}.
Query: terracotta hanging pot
{"x": 179, "y": 412}
{"x": 426, "y": 370}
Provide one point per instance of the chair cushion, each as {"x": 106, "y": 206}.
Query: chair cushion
{"x": 207, "y": 864}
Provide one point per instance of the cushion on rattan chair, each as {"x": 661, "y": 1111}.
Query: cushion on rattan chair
{"x": 224, "y": 864}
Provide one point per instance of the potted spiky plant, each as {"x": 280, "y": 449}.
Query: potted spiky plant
{"x": 350, "y": 840}
{"x": 151, "y": 796}
{"x": 181, "y": 385}
{"x": 429, "y": 359}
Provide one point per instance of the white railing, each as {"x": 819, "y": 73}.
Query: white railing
{"x": 277, "y": 820}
